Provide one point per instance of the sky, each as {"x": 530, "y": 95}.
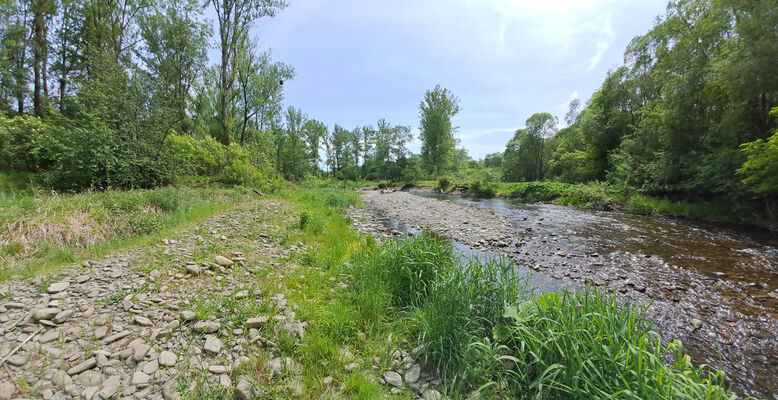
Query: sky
{"x": 357, "y": 61}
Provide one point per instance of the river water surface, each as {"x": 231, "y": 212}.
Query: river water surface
{"x": 714, "y": 287}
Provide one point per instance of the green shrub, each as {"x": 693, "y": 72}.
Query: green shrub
{"x": 640, "y": 204}
{"x": 167, "y": 199}
{"x": 444, "y": 182}
{"x": 480, "y": 190}
{"x": 241, "y": 173}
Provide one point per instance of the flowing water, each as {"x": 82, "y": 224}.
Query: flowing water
{"x": 712, "y": 286}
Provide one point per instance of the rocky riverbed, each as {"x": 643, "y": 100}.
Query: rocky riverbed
{"x": 716, "y": 318}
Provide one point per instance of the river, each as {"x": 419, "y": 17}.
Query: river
{"x": 712, "y": 286}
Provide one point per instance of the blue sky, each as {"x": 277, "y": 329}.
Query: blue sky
{"x": 360, "y": 60}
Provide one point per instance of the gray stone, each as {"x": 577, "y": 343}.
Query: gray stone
{"x": 139, "y": 378}
{"x": 170, "y": 390}
{"x": 207, "y": 326}
{"x": 7, "y": 390}
{"x": 142, "y": 321}
{"x": 167, "y": 359}
{"x": 393, "y": 378}
{"x": 193, "y": 269}
{"x": 225, "y": 381}
{"x": 91, "y": 378}
{"x": 217, "y": 369}
{"x": 187, "y": 315}
{"x": 150, "y": 367}
{"x": 431, "y": 394}
{"x": 17, "y": 360}
{"x": 118, "y": 336}
{"x": 257, "y": 322}
{"x": 696, "y": 323}
{"x": 48, "y": 336}
{"x": 57, "y": 287}
{"x": 243, "y": 391}
{"x": 412, "y": 375}
{"x": 110, "y": 387}
{"x": 88, "y": 364}
{"x": 45, "y": 313}
{"x": 140, "y": 352}
{"x": 212, "y": 345}
{"x": 223, "y": 261}
{"x": 63, "y": 316}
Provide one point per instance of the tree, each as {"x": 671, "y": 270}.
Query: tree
{"x": 525, "y": 157}
{"x": 541, "y": 127}
{"x": 235, "y": 18}
{"x": 42, "y": 10}
{"x": 761, "y": 166}
{"x": 437, "y": 133}
{"x": 260, "y": 88}
{"x": 175, "y": 54}
{"x": 315, "y": 131}
{"x": 14, "y": 45}
{"x": 68, "y": 46}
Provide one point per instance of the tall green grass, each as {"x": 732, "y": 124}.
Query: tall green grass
{"x": 482, "y": 329}
{"x": 442, "y": 303}
{"x": 583, "y": 345}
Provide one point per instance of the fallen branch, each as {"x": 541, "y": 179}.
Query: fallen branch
{"x": 2, "y": 362}
{"x": 258, "y": 192}
{"x": 10, "y": 328}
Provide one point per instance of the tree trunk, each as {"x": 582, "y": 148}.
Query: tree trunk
{"x": 37, "y": 48}
{"x": 223, "y": 72}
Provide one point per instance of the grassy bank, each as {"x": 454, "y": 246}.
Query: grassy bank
{"x": 498, "y": 341}
{"x": 600, "y": 196}
{"x": 41, "y": 230}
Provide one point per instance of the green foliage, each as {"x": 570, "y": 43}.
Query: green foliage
{"x": 761, "y": 166}
{"x": 437, "y": 132}
{"x": 444, "y": 182}
{"x": 481, "y": 190}
{"x": 585, "y": 345}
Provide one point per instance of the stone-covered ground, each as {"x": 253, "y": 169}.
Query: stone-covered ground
{"x": 206, "y": 314}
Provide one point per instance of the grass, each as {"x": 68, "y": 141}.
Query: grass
{"x": 584, "y": 345}
{"x": 40, "y": 231}
{"x": 483, "y": 331}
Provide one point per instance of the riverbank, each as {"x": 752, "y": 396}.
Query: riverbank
{"x": 724, "y": 320}
{"x": 597, "y": 196}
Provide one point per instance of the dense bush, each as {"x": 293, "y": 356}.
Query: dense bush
{"x": 444, "y": 182}
{"x": 480, "y": 190}
{"x": 81, "y": 154}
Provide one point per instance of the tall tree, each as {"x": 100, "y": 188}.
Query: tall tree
{"x": 42, "y": 10}
{"x": 235, "y": 18}
{"x": 175, "y": 53}
{"x": 68, "y": 46}
{"x": 437, "y": 133}
{"x": 14, "y": 44}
